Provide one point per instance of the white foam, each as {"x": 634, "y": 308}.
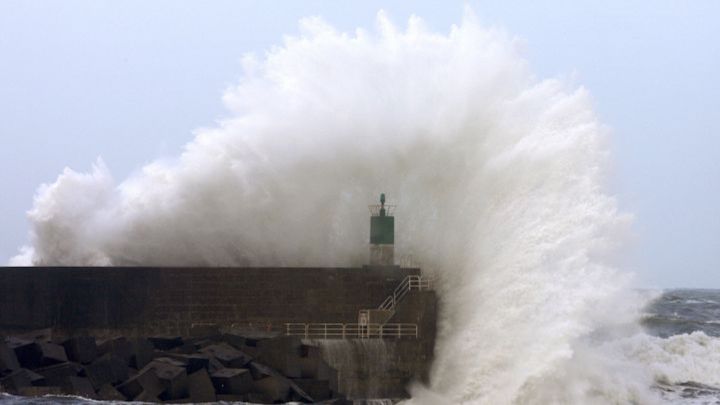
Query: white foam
{"x": 499, "y": 178}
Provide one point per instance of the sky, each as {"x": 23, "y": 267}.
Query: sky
{"x": 131, "y": 80}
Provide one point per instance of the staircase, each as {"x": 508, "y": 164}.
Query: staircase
{"x": 372, "y": 323}
{"x": 386, "y": 310}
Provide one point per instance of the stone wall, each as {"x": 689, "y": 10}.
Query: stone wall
{"x": 141, "y": 301}
{"x": 144, "y": 301}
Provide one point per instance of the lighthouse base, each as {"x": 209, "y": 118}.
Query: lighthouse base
{"x": 382, "y": 255}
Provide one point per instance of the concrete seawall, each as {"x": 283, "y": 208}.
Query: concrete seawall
{"x": 142, "y": 301}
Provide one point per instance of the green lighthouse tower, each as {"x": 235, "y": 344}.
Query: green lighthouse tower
{"x": 382, "y": 234}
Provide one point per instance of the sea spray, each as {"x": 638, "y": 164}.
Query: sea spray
{"x": 362, "y": 364}
{"x": 498, "y": 175}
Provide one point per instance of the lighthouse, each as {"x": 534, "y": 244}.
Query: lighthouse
{"x": 382, "y": 234}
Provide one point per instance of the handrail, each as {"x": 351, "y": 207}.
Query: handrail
{"x": 367, "y": 330}
{"x": 351, "y": 330}
{"x": 410, "y": 283}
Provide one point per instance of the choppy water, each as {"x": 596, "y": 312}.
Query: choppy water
{"x": 684, "y": 312}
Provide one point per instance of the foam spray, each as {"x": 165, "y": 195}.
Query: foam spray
{"x": 499, "y": 177}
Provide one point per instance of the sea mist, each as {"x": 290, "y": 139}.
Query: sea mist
{"x": 499, "y": 177}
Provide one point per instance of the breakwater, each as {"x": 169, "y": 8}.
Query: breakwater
{"x": 206, "y": 368}
{"x": 141, "y": 302}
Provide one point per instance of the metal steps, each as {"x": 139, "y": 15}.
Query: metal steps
{"x": 382, "y": 314}
{"x": 372, "y": 323}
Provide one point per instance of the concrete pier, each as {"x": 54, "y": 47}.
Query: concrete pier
{"x": 107, "y": 302}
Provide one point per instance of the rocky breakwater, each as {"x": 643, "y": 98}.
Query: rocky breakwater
{"x": 209, "y": 368}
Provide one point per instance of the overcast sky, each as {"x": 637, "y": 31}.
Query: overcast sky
{"x": 130, "y": 80}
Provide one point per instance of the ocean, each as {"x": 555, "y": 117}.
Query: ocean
{"x": 685, "y": 312}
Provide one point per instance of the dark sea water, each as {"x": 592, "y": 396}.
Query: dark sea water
{"x": 684, "y": 311}
{"x": 675, "y": 312}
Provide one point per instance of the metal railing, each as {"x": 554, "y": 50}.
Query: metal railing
{"x": 410, "y": 283}
{"x": 351, "y": 330}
